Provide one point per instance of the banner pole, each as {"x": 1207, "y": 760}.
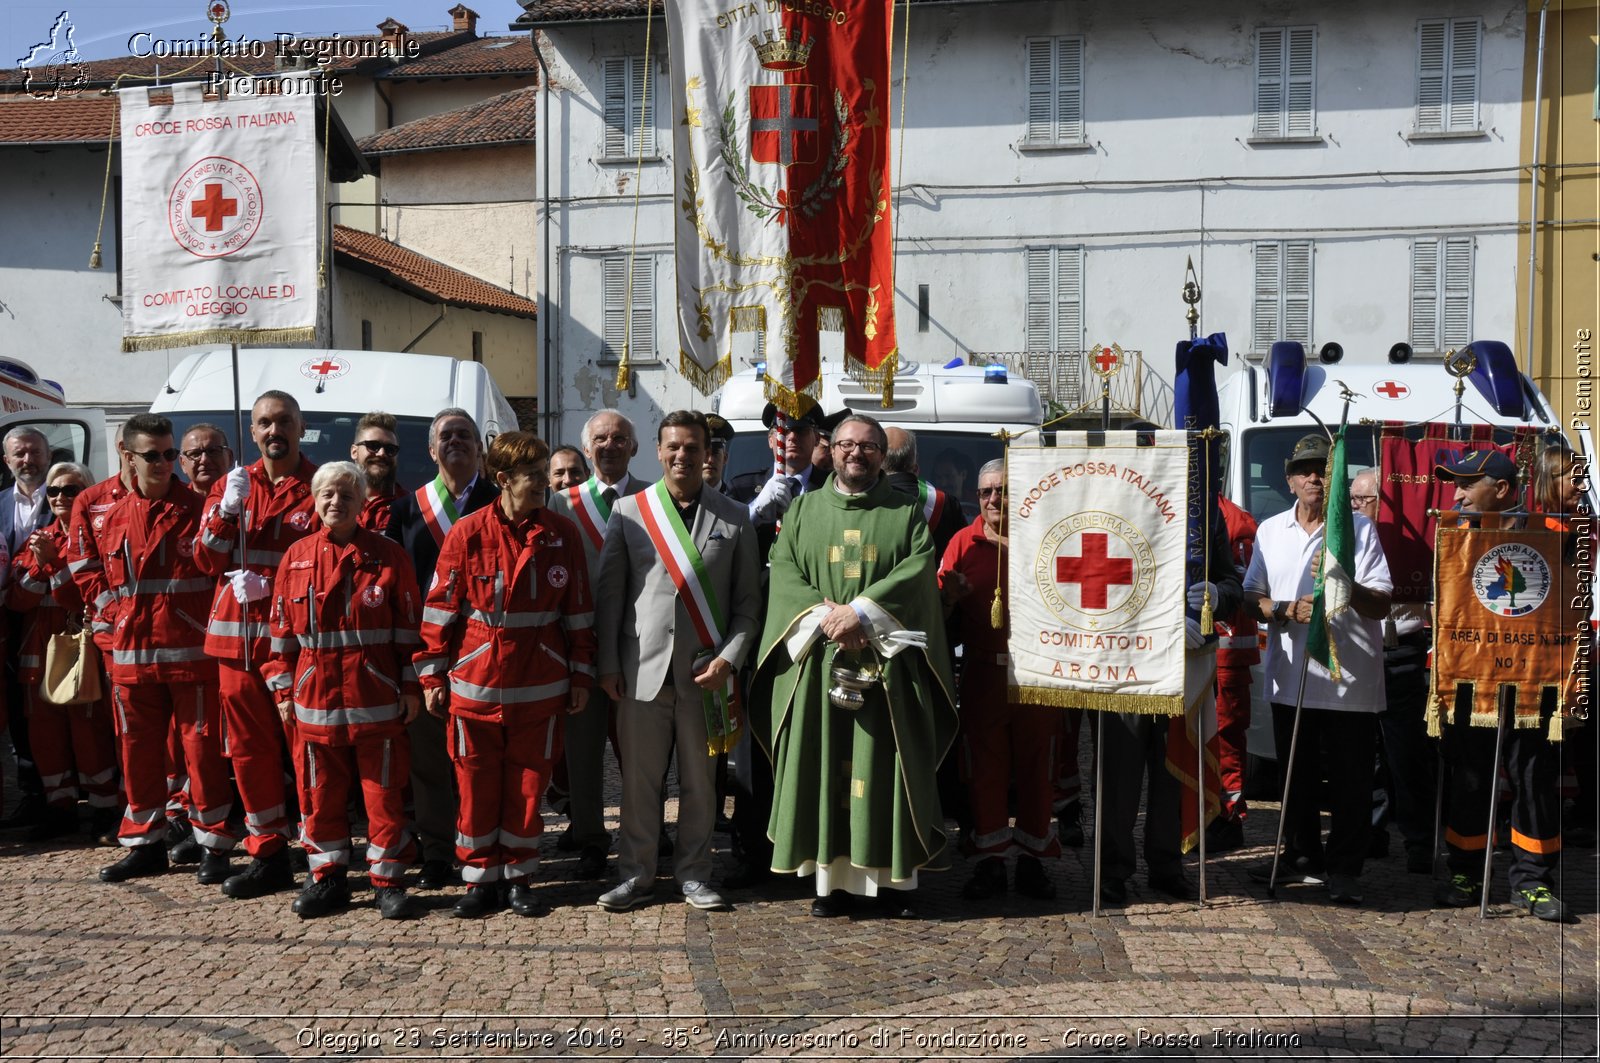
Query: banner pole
{"x": 238, "y": 432}
{"x": 1502, "y": 724}
{"x": 1438, "y": 808}
{"x": 1288, "y": 775}
{"x": 1100, "y": 717}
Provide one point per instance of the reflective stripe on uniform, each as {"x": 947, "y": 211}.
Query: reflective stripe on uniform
{"x": 159, "y": 656}
{"x": 577, "y": 621}
{"x": 514, "y": 619}
{"x": 232, "y": 629}
{"x": 336, "y": 640}
{"x": 345, "y": 717}
{"x": 165, "y": 586}
{"x": 509, "y": 695}
{"x": 438, "y": 617}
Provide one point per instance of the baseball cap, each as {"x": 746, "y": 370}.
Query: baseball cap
{"x": 1309, "y": 450}
{"x": 1478, "y": 463}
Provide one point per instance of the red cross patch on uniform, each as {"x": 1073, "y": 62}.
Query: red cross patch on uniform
{"x": 372, "y": 597}
{"x": 185, "y": 547}
{"x": 557, "y": 576}
{"x": 299, "y": 520}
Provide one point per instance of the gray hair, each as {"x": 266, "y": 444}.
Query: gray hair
{"x": 22, "y": 431}
{"x": 451, "y": 411}
{"x": 904, "y": 457}
{"x": 1365, "y": 472}
{"x": 76, "y": 467}
{"x": 339, "y": 472}
{"x": 997, "y": 465}
{"x": 583, "y": 437}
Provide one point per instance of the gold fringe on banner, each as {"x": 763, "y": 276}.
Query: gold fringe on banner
{"x": 1142, "y": 704}
{"x": 1486, "y": 708}
{"x": 273, "y": 336}
{"x": 793, "y": 403}
{"x": 880, "y": 379}
{"x": 705, "y": 381}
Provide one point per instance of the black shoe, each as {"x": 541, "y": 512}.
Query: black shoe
{"x": 1069, "y": 825}
{"x": 901, "y": 904}
{"x": 187, "y": 851}
{"x": 393, "y": 903}
{"x": 988, "y": 879}
{"x": 299, "y": 862}
{"x": 1301, "y": 870}
{"x": 30, "y": 810}
{"x": 521, "y": 899}
{"x": 1224, "y": 834}
{"x": 436, "y": 875}
{"x": 178, "y": 829}
{"x": 591, "y": 863}
{"x": 1113, "y": 892}
{"x": 215, "y": 868}
{"x": 142, "y": 861}
{"x": 833, "y": 906}
{"x": 1459, "y": 892}
{"x": 746, "y": 875}
{"x": 1175, "y": 884}
{"x": 1032, "y": 880}
{"x": 104, "y": 825}
{"x": 264, "y": 875}
{"x": 322, "y": 896}
{"x": 56, "y": 821}
{"x": 479, "y": 901}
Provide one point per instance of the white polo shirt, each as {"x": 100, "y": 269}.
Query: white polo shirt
{"x": 1283, "y": 569}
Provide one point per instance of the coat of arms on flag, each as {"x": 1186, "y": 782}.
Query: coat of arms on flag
{"x": 1097, "y": 541}
{"x": 783, "y": 224}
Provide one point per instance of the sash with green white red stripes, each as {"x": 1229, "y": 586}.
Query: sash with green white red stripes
{"x": 590, "y": 510}
{"x": 438, "y": 508}
{"x": 932, "y": 500}
{"x": 664, "y": 524}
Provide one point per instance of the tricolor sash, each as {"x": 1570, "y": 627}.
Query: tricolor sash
{"x": 664, "y": 524}
{"x": 591, "y": 510}
{"x": 438, "y": 508}
{"x": 932, "y": 500}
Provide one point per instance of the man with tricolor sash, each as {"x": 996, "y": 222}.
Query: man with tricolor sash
{"x": 941, "y": 510}
{"x": 610, "y": 442}
{"x": 419, "y": 521}
{"x": 677, "y": 606}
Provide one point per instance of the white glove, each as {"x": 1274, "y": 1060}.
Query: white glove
{"x": 774, "y": 499}
{"x": 249, "y": 586}
{"x": 236, "y": 488}
{"x": 1191, "y": 633}
{"x": 1197, "y": 594}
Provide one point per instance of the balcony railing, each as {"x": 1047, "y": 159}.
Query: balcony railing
{"x": 1071, "y": 390}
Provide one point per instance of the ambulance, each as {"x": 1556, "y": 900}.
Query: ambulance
{"x": 335, "y": 388}
{"x": 28, "y": 399}
{"x": 956, "y": 412}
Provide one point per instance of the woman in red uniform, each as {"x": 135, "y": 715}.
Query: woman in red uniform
{"x": 344, "y": 627}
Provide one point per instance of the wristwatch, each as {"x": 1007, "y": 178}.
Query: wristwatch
{"x": 1280, "y": 612}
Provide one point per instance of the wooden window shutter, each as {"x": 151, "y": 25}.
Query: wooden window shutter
{"x": 1266, "y": 316}
{"x": 1269, "y": 82}
{"x": 1461, "y": 110}
{"x": 1425, "y": 294}
{"x": 615, "y": 106}
{"x": 1040, "y": 282}
{"x": 1457, "y": 289}
{"x": 1301, "y": 82}
{"x": 1431, "y": 75}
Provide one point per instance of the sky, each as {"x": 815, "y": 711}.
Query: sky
{"x": 102, "y": 28}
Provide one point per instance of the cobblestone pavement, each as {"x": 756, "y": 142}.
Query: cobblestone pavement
{"x": 164, "y": 969}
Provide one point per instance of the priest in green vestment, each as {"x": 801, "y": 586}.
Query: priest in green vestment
{"x": 853, "y": 578}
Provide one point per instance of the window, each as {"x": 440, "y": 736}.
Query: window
{"x": 1055, "y": 298}
{"x": 1441, "y": 293}
{"x": 641, "y": 339}
{"x": 1055, "y": 91}
{"x": 1447, "y": 75}
{"x": 630, "y": 127}
{"x": 1286, "y": 82}
{"x": 1282, "y": 309}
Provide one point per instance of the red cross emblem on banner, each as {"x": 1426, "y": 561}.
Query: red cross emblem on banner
{"x": 213, "y": 207}
{"x": 1094, "y": 571}
{"x": 783, "y": 124}
{"x": 1392, "y": 389}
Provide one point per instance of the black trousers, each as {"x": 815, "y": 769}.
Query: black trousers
{"x": 1136, "y": 746}
{"x": 1410, "y": 760}
{"x": 1530, "y": 765}
{"x": 1337, "y": 748}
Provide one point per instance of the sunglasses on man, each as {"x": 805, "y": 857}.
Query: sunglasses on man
{"x": 377, "y": 446}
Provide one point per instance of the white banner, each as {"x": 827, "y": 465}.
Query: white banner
{"x": 219, "y": 218}
{"x": 1096, "y": 591}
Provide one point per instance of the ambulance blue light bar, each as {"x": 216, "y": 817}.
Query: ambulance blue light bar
{"x": 1496, "y": 377}
{"x": 994, "y": 374}
{"x": 1286, "y": 378}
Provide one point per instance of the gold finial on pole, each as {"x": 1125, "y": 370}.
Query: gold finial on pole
{"x": 1191, "y": 295}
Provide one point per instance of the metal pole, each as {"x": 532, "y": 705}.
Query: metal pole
{"x": 1099, "y": 801}
{"x": 238, "y": 429}
{"x": 1200, "y": 777}
{"x": 1438, "y": 808}
{"x": 1502, "y": 724}
{"x": 1288, "y": 774}
{"x": 1533, "y": 181}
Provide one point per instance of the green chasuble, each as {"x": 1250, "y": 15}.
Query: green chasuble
{"x": 854, "y": 790}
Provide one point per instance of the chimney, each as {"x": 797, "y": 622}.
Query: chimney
{"x": 393, "y": 35}
{"x": 465, "y": 20}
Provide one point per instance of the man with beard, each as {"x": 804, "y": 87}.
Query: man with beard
{"x": 610, "y": 442}
{"x": 419, "y": 521}
{"x": 204, "y": 456}
{"x": 269, "y": 505}
{"x": 568, "y": 468}
{"x": 375, "y": 450}
{"x": 853, "y": 585}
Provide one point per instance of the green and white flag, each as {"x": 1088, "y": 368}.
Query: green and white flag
{"x": 1331, "y": 595}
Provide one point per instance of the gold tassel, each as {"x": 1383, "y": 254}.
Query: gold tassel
{"x": 1555, "y": 726}
{"x": 997, "y": 615}
{"x": 94, "y": 256}
{"x": 624, "y": 378}
{"x": 1206, "y": 615}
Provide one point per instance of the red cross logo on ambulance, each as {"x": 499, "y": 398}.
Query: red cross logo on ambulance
{"x": 372, "y": 597}
{"x": 215, "y": 207}
{"x": 1095, "y": 571}
{"x": 1393, "y": 390}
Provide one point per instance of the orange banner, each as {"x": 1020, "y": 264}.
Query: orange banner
{"x": 1508, "y": 615}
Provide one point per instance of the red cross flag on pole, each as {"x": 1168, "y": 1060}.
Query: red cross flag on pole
{"x": 220, "y": 218}
{"x": 1096, "y": 556}
{"x": 783, "y": 225}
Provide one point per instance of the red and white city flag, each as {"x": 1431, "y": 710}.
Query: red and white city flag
{"x": 1096, "y": 543}
{"x": 219, "y": 209}
{"x": 783, "y": 228}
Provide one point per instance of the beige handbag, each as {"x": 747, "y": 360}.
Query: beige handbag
{"x": 71, "y": 668}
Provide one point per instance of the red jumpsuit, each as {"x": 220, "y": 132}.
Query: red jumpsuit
{"x": 344, "y": 629}
{"x": 509, "y": 626}
{"x": 1004, "y": 745}
{"x": 1237, "y": 651}
{"x": 254, "y": 737}
{"x": 143, "y": 565}
{"x": 375, "y": 511}
{"x": 67, "y": 740}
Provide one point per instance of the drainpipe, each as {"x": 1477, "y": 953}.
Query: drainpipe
{"x": 431, "y": 326}
{"x": 1533, "y": 182}
{"x": 549, "y": 412}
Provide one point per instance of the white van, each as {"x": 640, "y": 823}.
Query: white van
{"x": 335, "y": 389}
{"x": 74, "y": 434}
{"x": 955, "y": 412}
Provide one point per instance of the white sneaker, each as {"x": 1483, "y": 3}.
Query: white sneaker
{"x": 701, "y": 895}
{"x": 628, "y": 895}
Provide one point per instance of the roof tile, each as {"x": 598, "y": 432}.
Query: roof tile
{"x": 412, "y": 272}
{"x": 509, "y": 118}
{"x": 90, "y": 118}
{"x": 484, "y": 57}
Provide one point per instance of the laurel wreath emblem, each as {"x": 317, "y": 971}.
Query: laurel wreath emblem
{"x": 766, "y": 203}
